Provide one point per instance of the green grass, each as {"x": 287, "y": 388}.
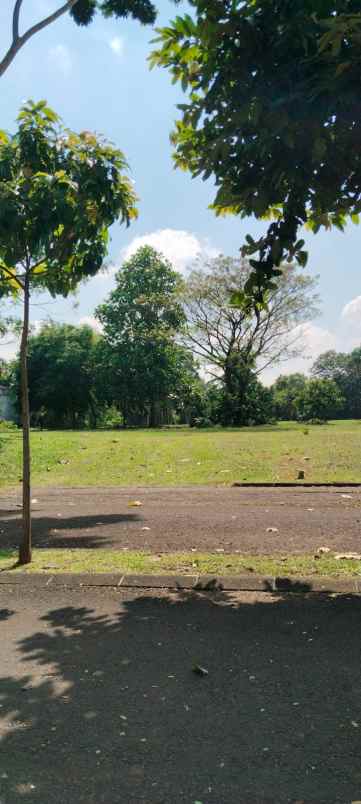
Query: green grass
{"x": 180, "y": 457}
{"x": 93, "y": 561}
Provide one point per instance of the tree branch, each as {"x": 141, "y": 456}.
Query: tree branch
{"x": 12, "y": 276}
{"x": 19, "y": 41}
{"x": 16, "y": 14}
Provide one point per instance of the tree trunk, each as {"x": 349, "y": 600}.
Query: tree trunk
{"x": 25, "y": 547}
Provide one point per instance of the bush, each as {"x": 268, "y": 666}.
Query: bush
{"x": 7, "y": 427}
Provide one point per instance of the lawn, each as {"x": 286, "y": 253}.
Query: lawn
{"x": 137, "y": 561}
{"x": 183, "y": 456}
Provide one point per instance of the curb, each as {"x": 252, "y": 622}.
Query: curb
{"x": 195, "y": 583}
{"x": 300, "y": 484}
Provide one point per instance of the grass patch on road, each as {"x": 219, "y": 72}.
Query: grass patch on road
{"x": 180, "y": 457}
{"x": 131, "y": 561}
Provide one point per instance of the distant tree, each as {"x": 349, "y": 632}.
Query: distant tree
{"x": 285, "y": 391}
{"x": 320, "y": 399}
{"x": 59, "y": 193}
{"x": 61, "y": 363}
{"x": 272, "y": 113}
{"x": 141, "y": 319}
{"x": 230, "y": 341}
{"x": 82, "y": 12}
{"x": 243, "y": 399}
{"x": 345, "y": 371}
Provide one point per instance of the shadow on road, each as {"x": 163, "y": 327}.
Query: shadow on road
{"x": 99, "y": 702}
{"x": 47, "y": 530}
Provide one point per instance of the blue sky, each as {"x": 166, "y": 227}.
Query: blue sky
{"x": 98, "y": 79}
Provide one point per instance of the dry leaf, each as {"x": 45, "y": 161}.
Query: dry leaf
{"x": 134, "y": 504}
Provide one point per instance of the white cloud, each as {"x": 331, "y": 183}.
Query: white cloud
{"x": 351, "y": 312}
{"x": 313, "y": 340}
{"x": 117, "y": 45}
{"x": 181, "y": 248}
{"x": 61, "y": 58}
{"x": 92, "y": 322}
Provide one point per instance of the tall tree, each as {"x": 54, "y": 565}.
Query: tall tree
{"x": 273, "y": 114}
{"x": 59, "y": 193}
{"x": 141, "y": 319}
{"x": 230, "y": 340}
{"x": 82, "y": 12}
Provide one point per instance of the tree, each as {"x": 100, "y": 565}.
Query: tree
{"x": 230, "y": 341}
{"x": 59, "y": 193}
{"x": 273, "y": 114}
{"x": 285, "y": 391}
{"x": 320, "y": 399}
{"x": 345, "y": 371}
{"x": 141, "y": 319}
{"x": 82, "y": 12}
{"x": 61, "y": 375}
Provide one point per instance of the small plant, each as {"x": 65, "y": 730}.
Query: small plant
{"x": 7, "y": 427}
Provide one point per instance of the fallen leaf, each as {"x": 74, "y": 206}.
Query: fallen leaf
{"x": 323, "y": 550}
{"x": 145, "y": 528}
{"x": 355, "y": 556}
{"x": 199, "y": 670}
{"x": 272, "y": 530}
{"x": 346, "y": 496}
{"x": 134, "y": 504}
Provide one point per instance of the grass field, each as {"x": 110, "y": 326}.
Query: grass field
{"x": 136, "y": 561}
{"x": 181, "y": 457}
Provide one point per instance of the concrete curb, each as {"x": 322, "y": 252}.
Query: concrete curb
{"x": 201, "y": 583}
{"x": 299, "y": 484}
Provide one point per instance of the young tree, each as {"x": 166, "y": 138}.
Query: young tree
{"x": 59, "y": 193}
{"x": 272, "y": 113}
{"x": 141, "y": 319}
{"x": 320, "y": 399}
{"x": 82, "y": 12}
{"x": 229, "y": 340}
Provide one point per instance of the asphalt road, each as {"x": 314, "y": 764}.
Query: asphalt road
{"x": 201, "y": 517}
{"x": 99, "y": 704}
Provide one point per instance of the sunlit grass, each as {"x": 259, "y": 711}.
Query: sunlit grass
{"x": 94, "y": 561}
{"x": 181, "y": 457}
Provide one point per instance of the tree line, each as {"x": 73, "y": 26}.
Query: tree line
{"x": 174, "y": 350}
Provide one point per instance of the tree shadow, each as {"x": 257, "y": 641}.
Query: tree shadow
{"x": 65, "y": 531}
{"x": 5, "y": 614}
{"x": 100, "y": 702}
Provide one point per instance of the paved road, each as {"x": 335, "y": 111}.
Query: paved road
{"x": 99, "y": 704}
{"x": 205, "y": 518}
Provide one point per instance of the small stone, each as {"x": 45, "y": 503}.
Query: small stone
{"x": 272, "y": 530}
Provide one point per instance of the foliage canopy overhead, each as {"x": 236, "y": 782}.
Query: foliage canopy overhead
{"x": 273, "y": 113}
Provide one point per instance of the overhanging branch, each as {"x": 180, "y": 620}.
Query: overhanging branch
{"x": 19, "y": 41}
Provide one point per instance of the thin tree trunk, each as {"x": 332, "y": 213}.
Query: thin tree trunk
{"x": 25, "y": 547}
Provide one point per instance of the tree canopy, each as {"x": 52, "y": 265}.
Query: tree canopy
{"x": 223, "y": 335}
{"x": 345, "y": 371}
{"x": 141, "y": 319}
{"x": 273, "y": 114}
